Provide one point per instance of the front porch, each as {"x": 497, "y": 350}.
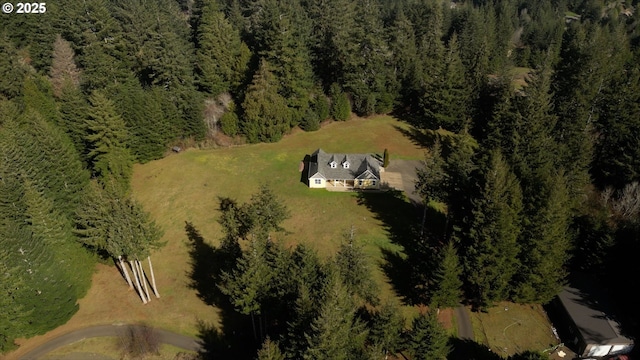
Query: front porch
{"x": 350, "y": 184}
{"x": 340, "y": 185}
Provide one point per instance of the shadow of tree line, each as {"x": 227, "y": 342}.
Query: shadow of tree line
{"x": 409, "y": 268}
{"x": 230, "y": 340}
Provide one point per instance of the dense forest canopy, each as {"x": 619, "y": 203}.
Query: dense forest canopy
{"x": 535, "y": 106}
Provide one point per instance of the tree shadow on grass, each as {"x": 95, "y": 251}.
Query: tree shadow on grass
{"x": 229, "y": 340}
{"x": 407, "y": 269}
{"x": 470, "y": 350}
{"x": 423, "y": 139}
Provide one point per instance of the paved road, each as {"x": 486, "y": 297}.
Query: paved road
{"x": 165, "y": 337}
{"x": 465, "y": 329}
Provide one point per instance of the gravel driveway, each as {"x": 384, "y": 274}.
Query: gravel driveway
{"x": 402, "y": 175}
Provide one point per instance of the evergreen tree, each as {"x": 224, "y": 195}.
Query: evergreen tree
{"x": 35, "y": 35}
{"x": 118, "y": 227}
{"x": 428, "y": 340}
{"x": 431, "y": 67}
{"x": 309, "y": 274}
{"x": 40, "y": 151}
{"x": 49, "y": 226}
{"x": 45, "y": 295}
{"x": 155, "y": 43}
{"x": 73, "y": 107}
{"x": 545, "y": 243}
{"x": 11, "y": 71}
{"x": 386, "y": 329}
{"x": 402, "y": 44}
{"x": 337, "y": 333}
{"x": 222, "y": 57}
{"x": 264, "y": 213}
{"x": 250, "y": 282}
{"x": 589, "y": 57}
{"x": 13, "y": 318}
{"x": 266, "y": 116}
{"x": 321, "y": 105}
{"x": 616, "y": 161}
{"x": 340, "y": 107}
{"x": 365, "y": 70}
{"x": 529, "y": 143}
{"x": 107, "y": 137}
{"x": 447, "y": 281}
{"x": 98, "y": 39}
{"x": 38, "y": 95}
{"x": 354, "y": 271}
{"x": 447, "y": 99}
{"x": 149, "y": 129}
{"x": 229, "y": 122}
{"x": 333, "y": 38}
{"x": 270, "y": 351}
{"x": 490, "y": 255}
{"x": 475, "y": 48}
{"x": 281, "y": 36}
{"x": 432, "y": 176}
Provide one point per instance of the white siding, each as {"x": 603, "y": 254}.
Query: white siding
{"x": 313, "y": 183}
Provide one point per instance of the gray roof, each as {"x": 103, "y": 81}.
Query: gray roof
{"x": 594, "y": 325}
{"x": 361, "y": 166}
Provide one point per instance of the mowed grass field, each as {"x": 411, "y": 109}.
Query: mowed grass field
{"x": 508, "y": 328}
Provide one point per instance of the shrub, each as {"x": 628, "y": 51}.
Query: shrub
{"x": 139, "y": 340}
{"x": 340, "y": 107}
{"x": 229, "y": 121}
{"x": 310, "y": 121}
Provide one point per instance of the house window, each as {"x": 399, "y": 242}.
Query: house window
{"x": 345, "y": 164}
{"x": 333, "y": 164}
{"x": 373, "y": 183}
{"x": 360, "y": 182}
{"x": 318, "y": 181}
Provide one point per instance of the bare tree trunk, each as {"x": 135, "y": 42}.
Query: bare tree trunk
{"x": 253, "y": 323}
{"x": 153, "y": 278}
{"x": 143, "y": 279}
{"x": 138, "y": 288}
{"x": 123, "y": 267}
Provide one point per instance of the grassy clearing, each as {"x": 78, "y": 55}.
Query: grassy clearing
{"x": 186, "y": 187}
{"x": 511, "y": 328}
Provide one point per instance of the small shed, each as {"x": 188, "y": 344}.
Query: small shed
{"x": 586, "y": 325}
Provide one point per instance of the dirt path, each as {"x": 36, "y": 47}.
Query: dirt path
{"x": 165, "y": 337}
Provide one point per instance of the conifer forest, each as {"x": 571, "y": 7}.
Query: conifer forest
{"x": 529, "y": 109}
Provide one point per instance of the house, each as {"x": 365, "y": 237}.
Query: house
{"x": 586, "y": 327}
{"x": 344, "y": 171}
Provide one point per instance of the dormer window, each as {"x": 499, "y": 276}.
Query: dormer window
{"x": 345, "y": 164}
{"x": 333, "y": 164}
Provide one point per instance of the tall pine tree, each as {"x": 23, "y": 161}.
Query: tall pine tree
{"x": 107, "y": 136}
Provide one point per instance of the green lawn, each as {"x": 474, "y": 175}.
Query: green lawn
{"x": 510, "y": 328}
{"x": 187, "y": 186}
